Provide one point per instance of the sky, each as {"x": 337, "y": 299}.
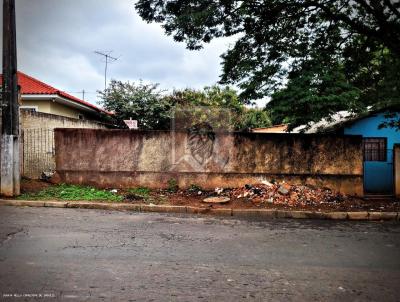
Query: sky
{"x": 56, "y": 40}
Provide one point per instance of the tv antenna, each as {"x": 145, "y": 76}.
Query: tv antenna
{"x": 108, "y": 59}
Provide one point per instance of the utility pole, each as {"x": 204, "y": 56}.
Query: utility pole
{"x": 10, "y": 160}
{"x": 109, "y": 59}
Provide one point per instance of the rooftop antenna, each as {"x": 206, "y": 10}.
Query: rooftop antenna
{"x": 109, "y": 59}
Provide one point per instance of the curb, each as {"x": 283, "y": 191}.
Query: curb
{"x": 240, "y": 213}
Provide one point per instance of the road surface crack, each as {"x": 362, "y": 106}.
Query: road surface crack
{"x": 10, "y": 235}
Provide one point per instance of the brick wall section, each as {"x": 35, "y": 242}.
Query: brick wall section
{"x": 38, "y": 139}
{"x": 35, "y": 120}
{"x": 118, "y": 158}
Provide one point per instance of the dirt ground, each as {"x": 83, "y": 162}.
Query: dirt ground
{"x": 190, "y": 198}
{"x": 32, "y": 186}
{"x": 353, "y": 204}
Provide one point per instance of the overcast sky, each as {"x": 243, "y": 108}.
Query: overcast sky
{"x": 57, "y": 39}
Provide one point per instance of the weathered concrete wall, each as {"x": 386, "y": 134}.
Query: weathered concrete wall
{"x": 35, "y": 120}
{"x": 37, "y": 141}
{"x": 118, "y": 158}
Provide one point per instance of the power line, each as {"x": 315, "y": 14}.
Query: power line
{"x": 109, "y": 59}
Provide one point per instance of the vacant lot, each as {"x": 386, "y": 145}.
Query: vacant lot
{"x": 273, "y": 196}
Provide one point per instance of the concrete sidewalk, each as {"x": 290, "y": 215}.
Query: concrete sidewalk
{"x": 245, "y": 213}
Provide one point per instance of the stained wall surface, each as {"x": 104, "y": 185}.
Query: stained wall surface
{"x": 119, "y": 158}
{"x": 37, "y": 143}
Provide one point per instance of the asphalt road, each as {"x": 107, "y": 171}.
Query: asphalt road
{"x": 91, "y": 255}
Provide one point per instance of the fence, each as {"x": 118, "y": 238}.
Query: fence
{"x": 119, "y": 158}
{"x": 38, "y": 152}
{"x": 37, "y": 142}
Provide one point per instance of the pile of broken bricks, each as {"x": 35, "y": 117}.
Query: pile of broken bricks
{"x": 283, "y": 194}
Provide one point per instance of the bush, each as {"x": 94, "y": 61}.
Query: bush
{"x": 172, "y": 185}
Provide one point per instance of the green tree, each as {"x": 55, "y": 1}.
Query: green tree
{"x": 254, "y": 118}
{"x": 214, "y": 96}
{"x": 142, "y": 102}
{"x": 376, "y": 72}
{"x": 339, "y": 40}
{"x": 154, "y": 109}
{"x": 316, "y": 91}
{"x": 272, "y": 31}
{"x": 219, "y": 107}
{"x": 313, "y": 93}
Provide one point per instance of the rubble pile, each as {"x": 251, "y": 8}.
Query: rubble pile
{"x": 283, "y": 194}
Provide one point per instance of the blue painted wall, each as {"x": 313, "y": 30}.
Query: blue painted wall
{"x": 378, "y": 176}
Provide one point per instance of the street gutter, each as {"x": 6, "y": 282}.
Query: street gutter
{"x": 240, "y": 213}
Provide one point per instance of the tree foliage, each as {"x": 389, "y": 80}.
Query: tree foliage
{"x": 312, "y": 94}
{"x": 254, "y": 118}
{"x": 219, "y": 107}
{"x": 210, "y": 96}
{"x": 139, "y": 101}
{"x": 318, "y": 91}
{"x": 154, "y": 109}
{"x": 352, "y": 44}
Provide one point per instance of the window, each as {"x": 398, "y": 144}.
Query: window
{"x": 375, "y": 148}
{"x": 29, "y": 108}
{"x": 80, "y": 116}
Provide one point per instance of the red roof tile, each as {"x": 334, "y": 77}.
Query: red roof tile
{"x": 30, "y": 85}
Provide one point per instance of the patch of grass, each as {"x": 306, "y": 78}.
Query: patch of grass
{"x": 194, "y": 188}
{"x": 72, "y": 192}
{"x": 172, "y": 185}
{"x": 141, "y": 191}
{"x": 144, "y": 195}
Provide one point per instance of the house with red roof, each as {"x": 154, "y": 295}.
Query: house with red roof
{"x": 41, "y": 97}
{"x": 44, "y": 108}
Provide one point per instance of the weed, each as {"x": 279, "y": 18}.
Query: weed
{"x": 141, "y": 191}
{"x": 72, "y": 192}
{"x": 194, "y": 188}
{"x": 173, "y": 185}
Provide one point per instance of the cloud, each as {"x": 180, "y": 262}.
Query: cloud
{"x": 57, "y": 39}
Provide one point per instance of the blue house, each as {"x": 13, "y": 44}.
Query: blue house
{"x": 381, "y": 170}
{"x": 379, "y": 167}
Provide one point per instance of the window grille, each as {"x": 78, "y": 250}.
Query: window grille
{"x": 375, "y": 148}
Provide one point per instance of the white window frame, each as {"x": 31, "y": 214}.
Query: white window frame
{"x": 36, "y": 108}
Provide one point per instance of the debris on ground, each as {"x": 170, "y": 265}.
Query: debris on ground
{"x": 216, "y": 200}
{"x": 46, "y": 175}
{"x": 219, "y": 191}
{"x": 276, "y": 193}
{"x": 267, "y": 194}
{"x": 133, "y": 197}
{"x": 286, "y": 194}
{"x": 33, "y": 185}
